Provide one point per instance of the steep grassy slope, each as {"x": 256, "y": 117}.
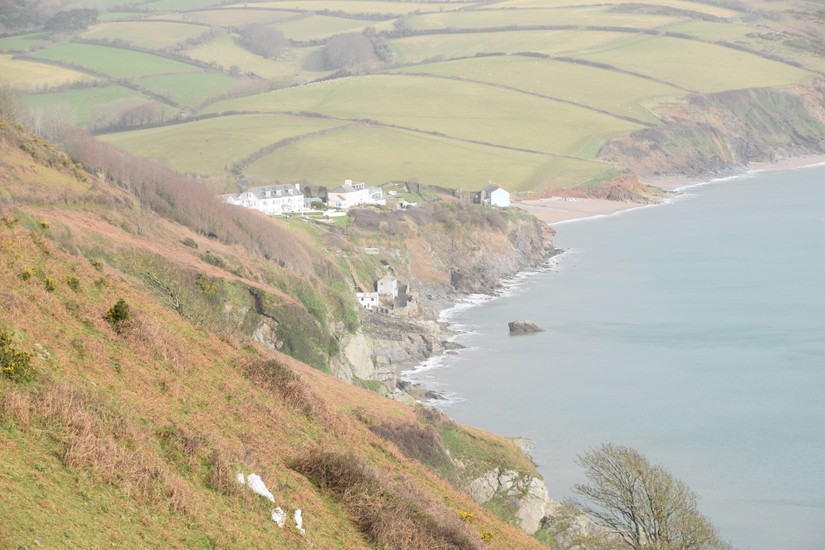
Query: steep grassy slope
{"x": 131, "y": 428}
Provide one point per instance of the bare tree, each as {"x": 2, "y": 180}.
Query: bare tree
{"x": 643, "y": 504}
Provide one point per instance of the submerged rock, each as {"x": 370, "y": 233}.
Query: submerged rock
{"x": 523, "y": 327}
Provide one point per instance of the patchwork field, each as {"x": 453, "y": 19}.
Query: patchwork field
{"x": 610, "y": 91}
{"x": 91, "y": 107}
{"x": 146, "y": 34}
{"x": 695, "y": 65}
{"x": 380, "y": 154}
{"x": 210, "y": 146}
{"x": 31, "y": 75}
{"x": 522, "y": 91}
{"x": 462, "y": 110}
{"x": 114, "y": 62}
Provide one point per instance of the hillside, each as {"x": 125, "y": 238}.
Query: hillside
{"x": 538, "y": 95}
{"x": 127, "y": 415}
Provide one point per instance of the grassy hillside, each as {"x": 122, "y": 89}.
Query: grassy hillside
{"x": 537, "y": 87}
{"x": 127, "y": 416}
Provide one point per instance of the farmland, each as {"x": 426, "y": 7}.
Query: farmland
{"x": 525, "y": 92}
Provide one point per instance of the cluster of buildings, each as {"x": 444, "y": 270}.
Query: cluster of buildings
{"x": 275, "y": 200}
{"x": 386, "y": 289}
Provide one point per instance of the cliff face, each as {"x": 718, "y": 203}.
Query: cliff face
{"x": 717, "y": 133}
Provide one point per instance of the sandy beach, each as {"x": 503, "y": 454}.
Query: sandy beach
{"x": 554, "y": 210}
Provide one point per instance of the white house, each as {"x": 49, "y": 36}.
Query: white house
{"x": 272, "y": 199}
{"x": 387, "y": 286}
{"x": 495, "y": 195}
{"x": 368, "y": 300}
{"x": 354, "y": 194}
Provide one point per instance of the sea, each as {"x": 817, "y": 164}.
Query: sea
{"x": 693, "y": 332}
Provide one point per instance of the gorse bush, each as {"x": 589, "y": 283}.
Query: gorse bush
{"x": 118, "y": 314}
{"x": 16, "y": 365}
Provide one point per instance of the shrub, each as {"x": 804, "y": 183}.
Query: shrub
{"x": 213, "y": 259}
{"x": 49, "y": 284}
{"x": 97, "y": 263}
{"x": 27, "y": 274}
{"x": 16, "y": 365}
{"x": 44, "y": 224}
{"x": 118, "y": 314}
{"x": 190, "y": 242}
{"x": 73, "y": 282}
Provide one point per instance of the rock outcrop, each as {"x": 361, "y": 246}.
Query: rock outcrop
{"x": 523, "y": 327}
{"x": 524, "y": 493}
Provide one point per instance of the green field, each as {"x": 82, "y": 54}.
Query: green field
{"x": 610, "y": 91}
{"x": 377, "y": 155}
{"x": 90, "y": 107}
{"x": 316, "y": 27}
{"x": 23, "y": 42}
{"x": 455, "y": 94}
{"x": 456, "y": 109}
{"x": 115, "y": 62}
{"x": 189, "y": 89}
{"x": 696, "y": 66}
{"x": 418, "y": 49}
{"x": 147, "y": 34}
{"x": 497, "y": 18}
{"x": 31, "y": 75}
{"x": 210, "y": 146}
{"x": 358, "y": 6}
{"x": 230, "y": 17}
{"x": 296, "y": 65}
{"x": 688, "y": 5}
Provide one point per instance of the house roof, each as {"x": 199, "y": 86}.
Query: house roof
{"x": 346, "y": 188}
{"x": 493, "y": 187}
{"x": 280, "y": 190}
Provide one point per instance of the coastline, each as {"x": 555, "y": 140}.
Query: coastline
{"x": 558, "y": 210}
{"x": 555, "y": 211}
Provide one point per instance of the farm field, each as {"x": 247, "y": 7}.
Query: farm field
{"x": 495, "y": 17}
{"x": 456, "y": 109}
{"x": 610, "y": 91}
{"x": 378, "y": 154}
{"x": 147, "y": 34}
{"x": 31, "y": 75}
{"x": 538, "y": 85}
{"x": 209, "y": 146}
{"x": 359, "y": 6}
{"x": 437, "y": 47}
{"x": 114, "y": 62}
{"x": 188, "y": 89}
{"x": 686, "y": 5}
{"x": 229, "y": 16}
{"x": 298, "y": 64}
{"x": 91, "y": 107}
{"x": 23, "y": 42}
{"x": 696, "y": 66}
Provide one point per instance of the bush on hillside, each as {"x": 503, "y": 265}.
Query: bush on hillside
{"x": 391, "y": 511}
{"x": 15, "y": 364}
{"x": 263, "y": 40}
{"x": 346, "y": 50}
{"x": 118, "y": 315}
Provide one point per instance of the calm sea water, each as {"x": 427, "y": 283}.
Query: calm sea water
{"x": 693, "y": 332}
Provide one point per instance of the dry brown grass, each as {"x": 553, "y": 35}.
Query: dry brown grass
{"x": 96, "y": 438}
{"x": 390, "y": 510}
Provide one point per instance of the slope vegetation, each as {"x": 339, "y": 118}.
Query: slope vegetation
{"x": 128, "y": 417}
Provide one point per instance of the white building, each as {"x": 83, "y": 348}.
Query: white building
{"x": 387, "y": 286}
{"x": 368, "y": 300}
{"x": 272, "y": 199}
{"x": 495, "y": 195}
{"x": 354, "y": 194}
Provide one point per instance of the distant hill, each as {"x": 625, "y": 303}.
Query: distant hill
{"x": 531, "y": 93}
